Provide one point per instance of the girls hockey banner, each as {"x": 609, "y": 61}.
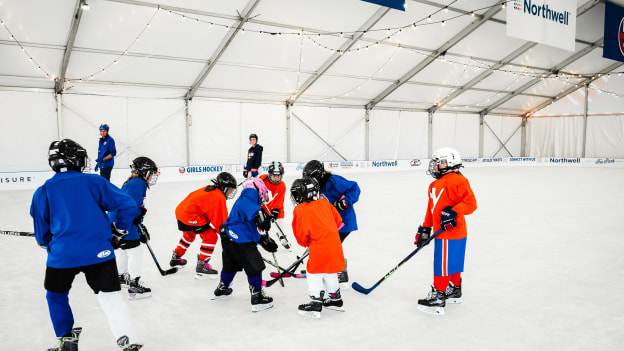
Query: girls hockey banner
{"x": 613, "y": 32}
{"x": 549, "y": 22}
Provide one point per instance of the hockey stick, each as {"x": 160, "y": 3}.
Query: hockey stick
{"x": 286, "y": 275}
{"x": 14, "y": 233}
{"x": 357, "y": 287}
{"x": 149, "y": 247}
{"x": 283, "y": 236}
{"x": 278, "y": 269}
{"x": 290, "y": 270}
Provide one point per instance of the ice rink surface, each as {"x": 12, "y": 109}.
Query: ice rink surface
{"x": 544, "y": 269}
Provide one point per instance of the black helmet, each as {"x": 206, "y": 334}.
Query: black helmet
{"x": 253, "y": 135}
{"x": 225, "y": 182}
{"x": 67, "y": 154}
{"x": 314, "y": 169}
{"x": 276, "y": 169}
{"x": 146, "y": 169}
{"x": 304, "y": 190}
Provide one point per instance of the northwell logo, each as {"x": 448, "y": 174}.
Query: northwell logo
{"x": 543, "y": 11}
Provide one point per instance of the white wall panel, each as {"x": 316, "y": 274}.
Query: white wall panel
{"x": 215, "y": 125}
{"x": 555, "y": 136}
{"x": 459, "y": 131}
{"x": 605, "y": 136}
{"x": 398, "y": 135}
{"x": 28, "y": 128}
{"x": 504, "y": 127}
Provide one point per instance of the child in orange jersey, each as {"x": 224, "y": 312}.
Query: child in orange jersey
{"x": 315, "y": 224}
{"x": 199, "y": 213}
{"x": 450, "y": 199}
{"x": 275, "y": 203}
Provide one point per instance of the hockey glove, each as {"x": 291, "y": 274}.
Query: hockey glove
{"x": 447, "y": 218}
{"x": 118, "y": 235}
{"x": 244, "y": 173}
{"x": 145, "y": 235}
{"x": 96, "y": 168}
{"x": 263, "y": 221}
{"x": 423, "y": 234}
{"x": 274, "y": 213}
{"x": 138, "y": 219}
{"x": 267, "y": 243}
{"x": 341, "y": 204}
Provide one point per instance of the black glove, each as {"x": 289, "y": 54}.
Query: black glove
{"x": 447, "y": 218}
{"x": 274, "y": 213}
{"x": 138, "y": 219}
{"x": 118, "y": 235}
{"x": 263, "y": 221}
{"x": 267, "y": 243}
{"x": 422, "y": 235}
{"x": 341, "y": 204}
{"x": 145, "y": 235}
{"x": 244, "y": 173}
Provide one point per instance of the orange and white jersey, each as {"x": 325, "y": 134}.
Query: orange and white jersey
{"x": 451, "y": 190}
{"x": 202, "y": 207}
{"x": 278, "y": 194}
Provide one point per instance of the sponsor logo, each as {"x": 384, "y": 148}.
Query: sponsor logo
{"x": 621, "y": 36}
{"x": 11, "y": 180}
{"x": 497, "y": 159}
{"x": 300, "y": 167}
{"x": 565, "y": 160}
{"x": 333, "y": 165}
{"x": 603, "y": 161}
{"x": 347, "y": 164}
{"x": 522, "y": 159}
{"x": 192, "y": 222}
{"x": 415, "y": 162}
{"x": 265, "y": 169}
{"x": 544, "y": 11}
{"x": 103, "y": 254}
{"x": 232, "y": 234}
{"x": 201, "y": 169}
{"x": 385, "y": 163}
{"x": 469, "y": 160}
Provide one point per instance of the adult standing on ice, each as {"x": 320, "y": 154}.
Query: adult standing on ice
{"x": 106, "y": 153}
{"x": 69, "y": 215}
{"x": 450, "y": 199}
{"x": 254, "y": 157}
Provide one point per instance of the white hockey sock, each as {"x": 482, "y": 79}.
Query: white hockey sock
{"x": 117, "y": 314}
{"x": 121, "y": 258}
{"x": 331, "y": 282}
{"x": 315, "y": 284}
{"x": 135, "y": 255}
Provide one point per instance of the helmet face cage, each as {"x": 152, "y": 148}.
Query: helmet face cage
{"x": 146, "y": 169}
{"x": 227, "y": 184}
{"x": 447, "y": 157}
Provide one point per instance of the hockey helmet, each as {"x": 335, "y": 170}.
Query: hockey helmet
{"x": 446, "y": 160}
{"x": 226, "y": 183}
{"x": 146, "y": 169}
{"x": 66, "y": 155}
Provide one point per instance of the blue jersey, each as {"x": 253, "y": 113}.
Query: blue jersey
{"x": 337, "y": 186}
{"x": 105, "y": 148}
{"x": 241, "y": 222}
{"x": 69, "y": 218}
{"x": 137, "y": 189}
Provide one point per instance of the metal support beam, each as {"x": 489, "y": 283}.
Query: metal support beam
{"x": 288, "y": 138}
{"x": 554, "y": 70}
{"x": 60, "y": 82}
{"x": 430, "y": 134}
{"x": 189, "y": 125}
{"x": 506, "y": 141}
{"x": 585, "y": 121}
{"x": 244, "y": 17}
{"x": 59, "y": 115}
{"x": 367, "y": 135}
{"x": 523, "y": 137}
{"x": 318, "y": 136}
{"x": 431, "y": 58}
{"x": 336, "y": 55}
{"x": 499, "y": 141}
{"x": 481, "y": 134}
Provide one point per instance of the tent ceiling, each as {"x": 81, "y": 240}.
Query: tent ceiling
{"x": 174, "y": 50}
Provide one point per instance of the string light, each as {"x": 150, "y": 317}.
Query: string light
{"x": 23, "y": 49}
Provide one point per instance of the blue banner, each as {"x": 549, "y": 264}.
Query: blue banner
{"x": 614, "y": 32}
{"x": 393, "y": 4}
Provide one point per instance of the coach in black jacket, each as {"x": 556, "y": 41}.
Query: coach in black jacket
{"x": 254, "y": 157}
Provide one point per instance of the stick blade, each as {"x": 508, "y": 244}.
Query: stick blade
{"x": 171, "y": 271}
{"x": 357, "y": 287}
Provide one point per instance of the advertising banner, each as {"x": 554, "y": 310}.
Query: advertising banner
{"x": 613, "y": 32}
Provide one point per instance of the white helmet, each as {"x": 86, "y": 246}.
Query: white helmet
{"x": 447, "y": 154}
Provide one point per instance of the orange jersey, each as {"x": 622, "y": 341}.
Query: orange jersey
{"x": 315, "y": 225}
{"x": 202, "y": 207}
{"x": 451, "y": 190}
{"x": 278, "y": 193}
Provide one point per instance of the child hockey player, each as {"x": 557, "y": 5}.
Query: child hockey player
{"x": 70, "y": 222}
{"x": 341, "y": 193}
{"x": 275, "y": 204}
{"x": 201, "y": 212}
{"x": 239, "y": 239}
{"x": 450, "y": 199}
{"x": 315, "y": 225}
{"x": 144, "y": 173}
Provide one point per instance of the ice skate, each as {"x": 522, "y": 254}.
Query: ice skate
{"x": 333, "y": 301}
{"x": 259, "y": 300}
{"x": 434, "y": 303}
{"x": 204, "y": 270}
{"x": 138, "y": 291}
{"x": 313, "y": 308}
{"x": 124, "y": 280}
{"x": 177, "y": 261}
{"x": 68, "y": 343}
{"x": 343, "y": 278}
{"x": 453, "y": 293}
{"x": 221, "y": 291}
{"x": 124, "y": 343}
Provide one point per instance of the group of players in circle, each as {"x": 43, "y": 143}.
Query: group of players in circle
{"x": 74, "y": 212}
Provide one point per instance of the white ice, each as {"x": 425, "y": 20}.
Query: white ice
{"x": 544, "y": 270}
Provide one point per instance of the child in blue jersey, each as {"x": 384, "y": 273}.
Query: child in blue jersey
{"x": 341, "y": 193}
{"x": 144, "y": 173}
{"x": 239, "y": 240}
{"x": 70, "y": 222}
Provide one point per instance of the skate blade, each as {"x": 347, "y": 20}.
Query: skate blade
{"x": 310, "y": 314}
{"x": 135, "y": 296}
{"x": 215, "y": 297}
{"x": 435, "y": 311}
{"x": 200, "y": 276}
{"x": 334, "y": 308}
{"x": 456, "y": 301}
{"x": 261, "y": 307}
